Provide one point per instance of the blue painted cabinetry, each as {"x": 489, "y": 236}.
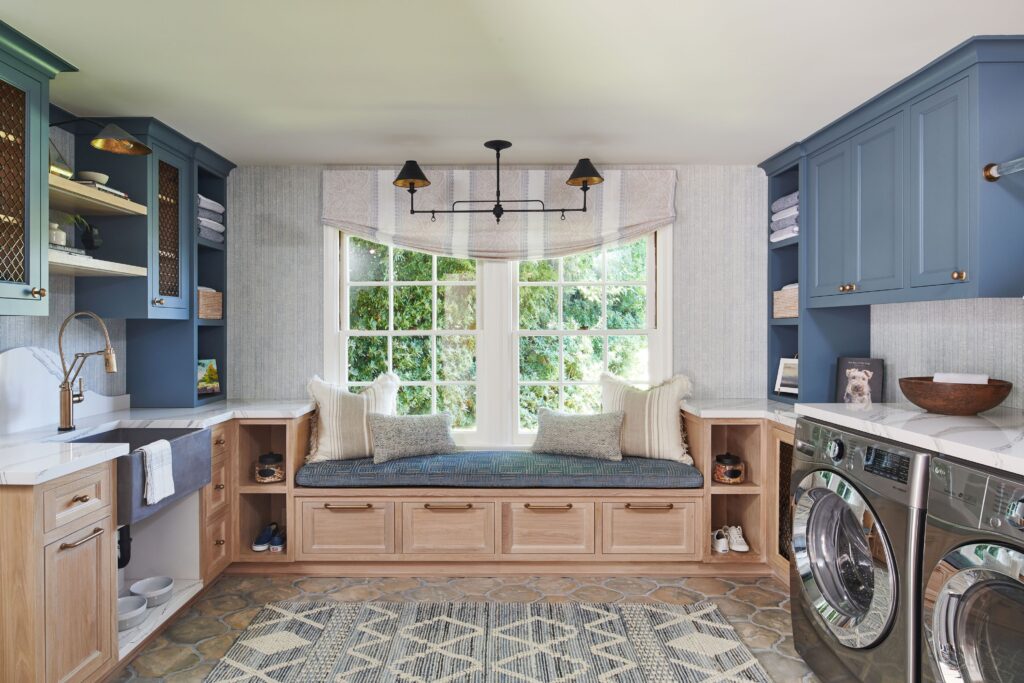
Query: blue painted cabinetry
{"x": 25, "y": 73}
{"x": 828, "y": 208}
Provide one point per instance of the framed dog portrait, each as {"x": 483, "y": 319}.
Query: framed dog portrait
{"x": 787, "y": 381}
{"x": 859, "y": 380}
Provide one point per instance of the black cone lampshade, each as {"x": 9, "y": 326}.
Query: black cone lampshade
{"x": 117, "y": 140}
{"x": 584, "y": 173}
{"x": 411, "y": 176}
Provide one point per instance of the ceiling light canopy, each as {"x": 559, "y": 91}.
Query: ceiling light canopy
{"x": 411, "y": 178}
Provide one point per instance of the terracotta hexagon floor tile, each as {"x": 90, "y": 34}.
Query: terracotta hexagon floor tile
{"x": 709, "y": 586}
{"x": 273, "y": 594}
{"x": 554, "y": 585}
{"x": 514, "y": 593}
{"x": 355, "y": 594}
{"x": 437, "y": 593}
{"x": 222, "y": 604}
{"x": 197, "y": 674}
{"x": 674, "y": 595}
{"x": 759, "y": 597}
{"x": 734, "y": 608}
{"x": 239, "y": 620}
{"x": 782, "y": 668}
{"x": 630, "y": 586}
{"x": 395, "y": 585}
{"x": 166, "y": 660}
{"x": 756, "y": 636}
{"x": 321, "y": 584}
{"x": 194, "y": 630}
{"x": 775, "y": 619}
{"x": 595, "y": 594}
{"x": 217, "y": 647}
{"x": 476, "y": 584}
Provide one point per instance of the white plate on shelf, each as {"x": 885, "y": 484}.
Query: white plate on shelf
{"x": 94, "y": 176}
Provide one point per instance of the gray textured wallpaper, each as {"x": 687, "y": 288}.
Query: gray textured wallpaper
{"x": 275, "y": 280}
{"x": 972, "y": 335}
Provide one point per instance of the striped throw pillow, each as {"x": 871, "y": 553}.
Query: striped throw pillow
{"x": 653, "y": 426}
{"x": 343, "y": 432}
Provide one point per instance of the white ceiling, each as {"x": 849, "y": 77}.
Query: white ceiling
{"x": 380, "y": 81}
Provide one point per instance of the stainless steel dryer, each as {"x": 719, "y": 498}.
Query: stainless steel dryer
{"x": 973, "y": 598}
{"x": 858, "y": 523}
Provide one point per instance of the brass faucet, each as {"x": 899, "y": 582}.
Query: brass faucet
{"x": 68, "y": 397}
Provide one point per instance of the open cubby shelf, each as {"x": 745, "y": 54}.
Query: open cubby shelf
{"x": 255, "y": 511}
{"x": 744, "y": 440}
{"x": 745, "y": 511}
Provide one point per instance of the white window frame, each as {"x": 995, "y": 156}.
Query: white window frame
{"x": 497, "y": 419}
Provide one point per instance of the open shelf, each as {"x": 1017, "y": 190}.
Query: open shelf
{"x": 206, "y": 322}
{"x": 71, "y": 197}
{"x": 782, "y": 244}
{"x": 256, "y": 511}
{"x": 745, "y": 489}
{"x": 738, "y": 510}
{"x": 743, "y": 440}
{"x": 277, "y": 487}
{"x": 253, "y": 441}
{"x": 208, "y": 244}
{"x": 784, "y": 321}
{"x": 184, "y": 590}
{"x": 65, "y": 263}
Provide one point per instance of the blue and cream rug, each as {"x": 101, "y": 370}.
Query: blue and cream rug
{"x": 375, "y": 642}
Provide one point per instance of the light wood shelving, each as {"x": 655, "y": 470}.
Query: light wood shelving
{"x": 71, "y": 197}
{"x": 64, "y": 263}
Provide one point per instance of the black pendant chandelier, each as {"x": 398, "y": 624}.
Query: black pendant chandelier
{"x": 411, "y": 177}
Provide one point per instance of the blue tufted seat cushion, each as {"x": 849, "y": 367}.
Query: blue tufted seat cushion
{"x": 501, "y": 469}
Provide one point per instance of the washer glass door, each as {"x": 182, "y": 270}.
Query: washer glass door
{"x": 977, "y": 618}
{"x": 844, "y": 559}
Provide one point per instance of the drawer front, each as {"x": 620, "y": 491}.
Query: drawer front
{"x": 547, "y": 527}
{"x": 66, "y": 502}
{"x": 216, "y": 554}
{"x": 222, "y": 439}
{"x": 651, "y": 527}
{"x": 218, "y": 492}
{"x": 346, "y": 527}
{"x": 448, "y": 527}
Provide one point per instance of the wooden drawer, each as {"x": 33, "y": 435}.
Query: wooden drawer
{"x": 652, "y": 527}
{"x": 547, "y": 527}
{"x": 345, "y": 527}
{"x": 448, "y": 527}
{"x": 67, "y": 501}
{"x": 217, "y": 493}
{"x": 222, "y": 439}
{"x": 216, "y": 551}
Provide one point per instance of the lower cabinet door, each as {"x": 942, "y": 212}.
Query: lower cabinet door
{"x": 78, "y": 576}
{"x": 651, "y": 528}
{"x": 217, "y": 546}
{"x": 547, "y": 527}
{"x": 448, "y": 528}
{"x": 345, "y": 528}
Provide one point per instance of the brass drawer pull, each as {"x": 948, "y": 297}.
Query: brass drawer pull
{"x": 95, "y": 532}
{"x": 218, "y": 487}
{"x": 158, "y": 301}
{"x": 81, "y": 498}
{"x": 959, "y": 275}
{"x": 38, "y": 293}
{"x": 348, "y": 506}
{"x": 219, "y": 541}
{"x": 447, "y": 506}
{"x": 536, "y": 506}
{"x": 650, "y": 506}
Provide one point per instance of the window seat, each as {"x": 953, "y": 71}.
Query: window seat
{"x": 501, "y": 469}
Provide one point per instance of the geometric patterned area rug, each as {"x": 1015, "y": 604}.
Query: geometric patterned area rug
{"x": 444, "y": 642}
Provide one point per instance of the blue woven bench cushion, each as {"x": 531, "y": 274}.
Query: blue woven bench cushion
{"x": 501, "y": 469}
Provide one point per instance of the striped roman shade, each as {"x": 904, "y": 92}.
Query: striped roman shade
{"x": 343, "y": 431}
{"x": 652, "y": 427}
{"x": 628, "y": 204}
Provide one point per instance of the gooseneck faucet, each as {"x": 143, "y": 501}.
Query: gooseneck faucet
{"x": 68, "y": 397}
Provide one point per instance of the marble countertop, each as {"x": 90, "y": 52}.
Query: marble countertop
{"x": 994, "y": 439}
{"x": 753, "y": 408}
{"x": 40, "y": 455}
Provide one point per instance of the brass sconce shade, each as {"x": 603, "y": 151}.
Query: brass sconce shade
{"x": 117, "y": 140}
{"x": 411, "y": 176}
{"x": 584, "y": 173}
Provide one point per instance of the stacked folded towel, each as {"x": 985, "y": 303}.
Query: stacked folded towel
{"x": 786, "y": 216}
{"x": 211, "y": 219}
{"x": 784, "y": 234}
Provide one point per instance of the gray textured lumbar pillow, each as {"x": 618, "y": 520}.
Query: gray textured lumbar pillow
{"x": 406, "y": 436}
{"x": 587, "y": 436}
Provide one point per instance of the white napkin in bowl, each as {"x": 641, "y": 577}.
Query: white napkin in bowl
{"x": 960, "y": 378}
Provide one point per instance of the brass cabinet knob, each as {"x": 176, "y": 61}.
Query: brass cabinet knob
{"x": 82, "y": 498}
{"x": 219, "y": 442}
{"x": 219, "y": 541}
{"x": 38, "y": 292}
{"x": 852, "y": 287}
{"x": 219, "y": 487}
{"x": 842, "y": 288}
{"x": 959, "y": 275}
{"x": 158, "y": 302}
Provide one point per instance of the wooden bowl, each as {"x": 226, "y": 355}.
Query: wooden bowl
{"x": 954, "y": 399}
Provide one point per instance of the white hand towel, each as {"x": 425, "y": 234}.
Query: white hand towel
{"x": 789, "y": 200}
{"x": 784, "y": 234}
{"x": 211, "y": 225}
{"x": 156, "y": 461}
{"x": 960, "y": 378}
{"x": 209, "y": 204}
{"x": 786, "y": 213}
{"x": 791, "y": 285}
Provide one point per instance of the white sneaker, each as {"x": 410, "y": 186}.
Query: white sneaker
{"x": 719, "y": 541}
{"x": 736, "y": 540}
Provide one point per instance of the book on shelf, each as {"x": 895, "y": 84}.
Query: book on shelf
{"x": 69, "y": 250}
{"x": 103, "y": 188}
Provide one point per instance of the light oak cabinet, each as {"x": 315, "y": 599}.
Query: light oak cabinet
{"x": 219, "y": 538}
{"x": 346, "y": 527}
{"x": 548, "y": 527}
{"x": 448, "y": 527}
{"x": 652, "y": 527}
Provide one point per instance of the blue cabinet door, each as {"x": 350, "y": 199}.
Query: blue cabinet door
{"x": 938, "y": 241}
{"x": 24, "y": 270}
{"x": 827, "y": 223}
{"x": 170, "y": 236}
{"x": 877, "y": 157}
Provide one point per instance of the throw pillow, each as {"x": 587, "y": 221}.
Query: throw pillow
{"x": 652, "y": 426}
{"x": 342, "y": 429}
{"x": 406, "y": 436}
{"x": 586, "y": 436}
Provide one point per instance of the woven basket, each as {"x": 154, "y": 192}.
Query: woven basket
{"x": 211, "y": 305}
{"x": 786, "y": 303}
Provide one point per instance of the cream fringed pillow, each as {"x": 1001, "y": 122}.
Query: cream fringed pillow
{"x": 652, "y": 426}
{"x": 343, "y": 432}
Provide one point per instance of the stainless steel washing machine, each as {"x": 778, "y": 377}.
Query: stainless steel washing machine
{"x": 858, "y": 524}
{"x": 973, "y": 598}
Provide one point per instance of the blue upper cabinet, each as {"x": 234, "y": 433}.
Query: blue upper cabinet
{"x": 939, "y": 238}
{"x": 161, "y": 241}
{"x": 25, "y": 73}
{"x": 897, "y": 208}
